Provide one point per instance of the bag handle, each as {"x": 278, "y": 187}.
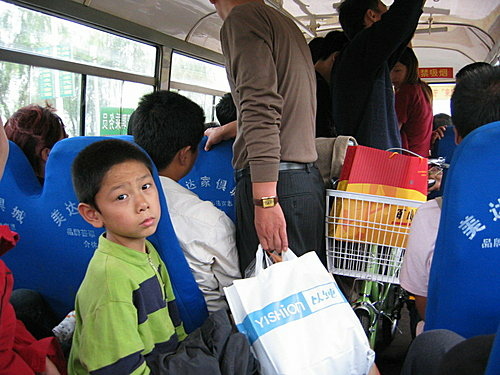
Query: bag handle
{"x": 261, "y": 257}
{"x": 405, "y": 150}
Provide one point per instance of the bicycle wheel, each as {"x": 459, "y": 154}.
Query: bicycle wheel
{"x": 389, "y": 320}
{"x": 365, "y": 320}
{"x": 387, "y": 329}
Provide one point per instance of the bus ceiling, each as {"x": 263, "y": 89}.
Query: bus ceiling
{"x": 451, "y": 33}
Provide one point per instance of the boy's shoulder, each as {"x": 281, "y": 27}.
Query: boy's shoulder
{"x": 185, "y": 203}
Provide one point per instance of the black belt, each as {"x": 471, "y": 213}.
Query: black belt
{"x": 283, "y": 166}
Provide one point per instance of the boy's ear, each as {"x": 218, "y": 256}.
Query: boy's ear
{"x": 91, "y": 215}
{"x": 185, "y": 155}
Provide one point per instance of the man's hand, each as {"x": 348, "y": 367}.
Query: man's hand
{"x": 438, "y": 134}
{"x": 218, "y": 134}
{"x": 270, "y": 225}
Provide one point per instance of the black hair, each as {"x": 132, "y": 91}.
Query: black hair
{"x": 476, "y": 99}
{"x": 352, "y": 15}
{"x": 441, "y": 119}
{"x": 469, "y": 68}
{"x": 166, "y": 122}
{"x": 130, "y": 125}
{"x": 225, "y": 109}
{"x": 94, "y": 161}
{"x": 322, "y": 47}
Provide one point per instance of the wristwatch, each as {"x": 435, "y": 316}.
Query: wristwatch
{"x": 266, "y": 202}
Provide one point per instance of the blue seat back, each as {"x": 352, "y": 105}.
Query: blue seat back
{"x": 56, "y": 244}
{"x": 212, "y": 176}
{"x": 446, "y": 146}
{"x": 464, "y": 284}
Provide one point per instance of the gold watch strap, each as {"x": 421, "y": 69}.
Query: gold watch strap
{"x": 266, "y": 202}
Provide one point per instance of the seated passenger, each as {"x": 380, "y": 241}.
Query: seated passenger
{"x": 413, "y": 101}
{"x": 169, "y": 127}
{"x": 36, "y": 130}
{"x": 20, "y": 352}
{"x": 125, "y": 306}
{"x": 439, "y": 124}
{"x": 475, "y": 102}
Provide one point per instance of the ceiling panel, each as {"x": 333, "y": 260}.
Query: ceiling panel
{"x": 195, "y": 21}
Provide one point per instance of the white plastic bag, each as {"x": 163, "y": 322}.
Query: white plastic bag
{"x": 298, "y": 321}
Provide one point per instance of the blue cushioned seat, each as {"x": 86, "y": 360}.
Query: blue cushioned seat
{"x": 212, "y": 176}
{"x": 56, "y": 244}
{"x": 464, "y": 284}
{"x": 445, "y": 147}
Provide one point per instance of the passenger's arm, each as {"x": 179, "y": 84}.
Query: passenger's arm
{"x": 374, "y": 370}
{"x": 209, "y": 245}
{"x": 50, "y": 368}
{"x": 218, "y": 134}
{"x": 420, "y": 304}
{"x": 260, "y": 106}
{"x": 393, "y": 32}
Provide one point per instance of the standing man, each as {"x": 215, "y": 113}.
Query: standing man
{"x": 279, "y": 192}
{"x": 362, "y": 93}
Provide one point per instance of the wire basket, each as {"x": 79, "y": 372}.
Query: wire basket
{"x": 366, "y": 234}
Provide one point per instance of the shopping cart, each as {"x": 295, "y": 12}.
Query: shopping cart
{"x": 366, "y": 237}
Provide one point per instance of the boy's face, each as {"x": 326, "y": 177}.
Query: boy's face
{"x": 128, "y": 203}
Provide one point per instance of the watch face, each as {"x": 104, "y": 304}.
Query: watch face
{"x": 268, "y": 202}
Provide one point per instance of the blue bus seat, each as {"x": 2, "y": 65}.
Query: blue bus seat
{"x": 212, "y": 176}
{"x": 464, "y": 287}
{"x": 56, "y": 244}
{"x": 445, "y": 146}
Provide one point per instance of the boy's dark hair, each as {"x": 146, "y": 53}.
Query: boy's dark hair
{"x": 166, "y": 122}
{"x": 352, "y": 14}
{"x": 94, "y": 161}
{"x": 476, "y": 99}
{"x": 322, "y": 47}
{"x": 225, "y": 109}
{"x": 441, "y": 119}
{"x": 469, "y": 68}
{"x": 130, "y": 125}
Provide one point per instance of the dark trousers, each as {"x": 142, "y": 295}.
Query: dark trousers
{"x": 443, "y": 352}
{"x": 301, "y": 196}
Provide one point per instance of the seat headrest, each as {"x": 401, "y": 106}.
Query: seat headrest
{"x": 212, "y": 176}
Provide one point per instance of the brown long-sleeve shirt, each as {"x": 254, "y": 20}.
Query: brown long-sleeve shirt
{"x": 272, "y": 80}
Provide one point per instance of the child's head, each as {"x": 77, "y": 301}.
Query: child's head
{"x": 225, "y": 109}
{"x": 114, "y": 184}
{"x": 165, "y": 123}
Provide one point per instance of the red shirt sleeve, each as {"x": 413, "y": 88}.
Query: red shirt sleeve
{"x": 20, "y": 352}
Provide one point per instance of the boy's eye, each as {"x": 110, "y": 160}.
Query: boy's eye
{"x": 146, "y": 186}
{"x": 121, "y": 197}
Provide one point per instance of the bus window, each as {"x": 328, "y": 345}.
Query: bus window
{"x": 203, "y": 82}
{"x": 34, "y": 32}
{"x": 48, "y": 59}
{"x": 441, "y": 95}
{"x": 33, "y": 85}
{"x": 110, "y": 103}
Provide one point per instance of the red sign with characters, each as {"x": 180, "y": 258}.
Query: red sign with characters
{"x": 435, "y": 73}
